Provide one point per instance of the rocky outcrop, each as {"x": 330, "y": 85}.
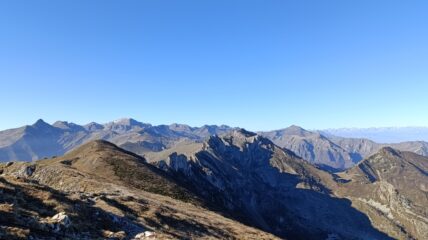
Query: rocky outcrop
{"x": 145, "y": 236}
{"x": 271, "y": 188}
{"x": 59, "y": 222}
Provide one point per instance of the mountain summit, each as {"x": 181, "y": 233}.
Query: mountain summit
{"x": 313, "y": 147}
{"x": 40, "y": 124}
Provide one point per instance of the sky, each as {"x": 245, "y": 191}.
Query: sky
{"x": 258, "y": 64}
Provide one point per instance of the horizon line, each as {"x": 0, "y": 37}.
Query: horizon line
{"x": 227, "y": 125}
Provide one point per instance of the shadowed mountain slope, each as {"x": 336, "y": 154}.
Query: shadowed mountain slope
{"x": 266, "y": 186}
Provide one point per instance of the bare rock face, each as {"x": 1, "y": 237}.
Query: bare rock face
{"x": 62, "y": 219}
{"x": 268, "y": 187}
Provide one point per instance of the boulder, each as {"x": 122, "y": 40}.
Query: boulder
{"x": 145, "y": 235}
{"x": 60, "y": 220}
{"x": 114, "y": 235}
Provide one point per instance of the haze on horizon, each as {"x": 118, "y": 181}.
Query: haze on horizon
{"x": 261, "y": 65}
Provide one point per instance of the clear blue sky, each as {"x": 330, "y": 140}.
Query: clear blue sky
{"x": 255, "y": 64}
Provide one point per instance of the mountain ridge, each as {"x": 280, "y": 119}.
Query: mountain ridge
{"x": 274, "y": 189}
{"x": 41, "y": 140}
{"x": 82, "y": 195}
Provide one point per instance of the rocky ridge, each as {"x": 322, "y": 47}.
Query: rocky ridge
{"x": 100, "y": 191}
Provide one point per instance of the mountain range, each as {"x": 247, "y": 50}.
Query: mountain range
{"x": 42, "y": 140}
{"x": 236, "y": 185}
{"x": 333, "y": 152}
{"x": 383, "y": 134}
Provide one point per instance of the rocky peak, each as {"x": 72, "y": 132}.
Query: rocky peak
{"x": 241, "y": 138}
{"x": 241, "y": 147}
{"x": 180, "y": 127}
{"x": 389, "y": 151}
{"x": 41, "y": 127}
{"x": 243, "y": 132}
{"x": 41, "y": 124}
{"x": 210, "y": 130}
{"x": 385, "y": 158}
{"x": 93, "y": 126}
{"x": 125, "y": 124}
{"x": 213, "y": 128}
{"x": 127, "y": 121}
{"x": 61, "y": 124}
{"x": 381, "y": 165}
{"x": 296, "y": 130}
{"x": 68, "y": 126}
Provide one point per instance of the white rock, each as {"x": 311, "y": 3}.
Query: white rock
{"x": 62, "y": 219}
{"x": 145, "y": 235}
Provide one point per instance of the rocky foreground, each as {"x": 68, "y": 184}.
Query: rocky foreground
{"x": 102, "y": 192}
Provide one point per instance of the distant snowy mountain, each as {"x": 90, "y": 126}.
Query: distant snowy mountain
{"x": 382, "y": 135}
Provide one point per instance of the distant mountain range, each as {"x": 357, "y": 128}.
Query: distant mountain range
{"x": 324, "y": 149}
{"x": 382, "y": 135}
{"x": 42, "y": 140}
{"x": 332, "y": 152}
